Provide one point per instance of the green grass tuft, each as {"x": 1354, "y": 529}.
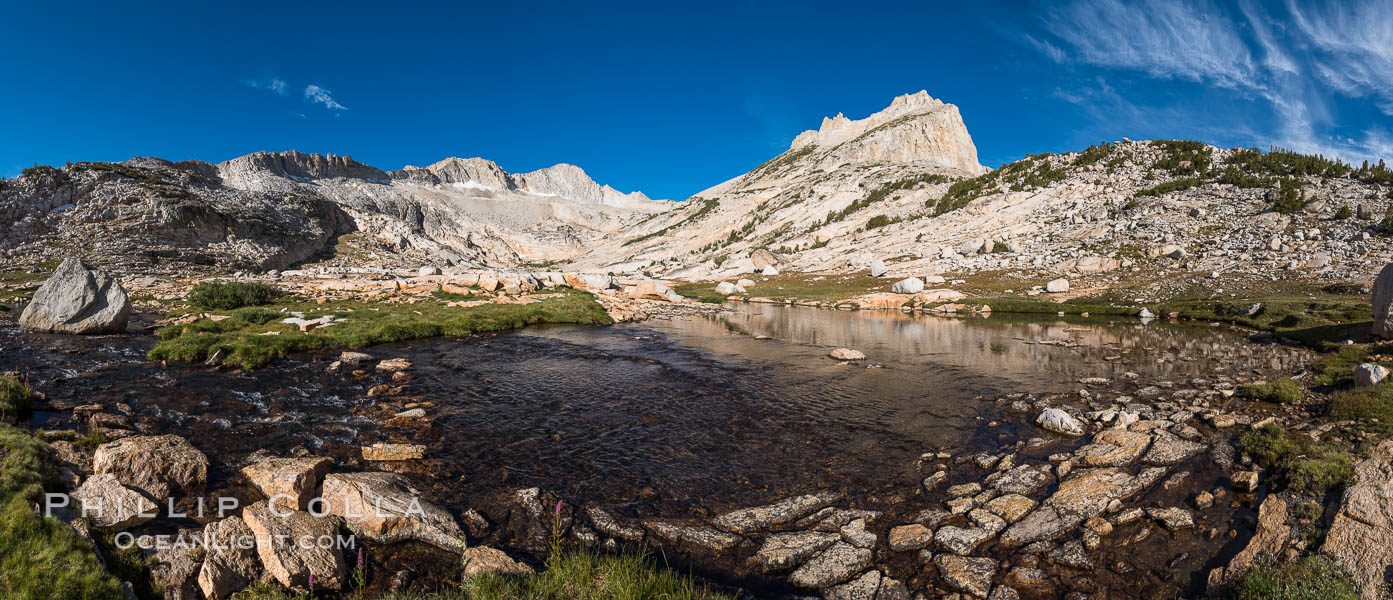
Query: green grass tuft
{"x": 577, "y": 576}
{"x": 1298, "y": 461}
{"x": 1282, "y": 391}
{"x": 585, "y": 576}
{"x": 41, "y": 558}
{"x": 1316, "y": 577}
{"x": 364, "y": 324}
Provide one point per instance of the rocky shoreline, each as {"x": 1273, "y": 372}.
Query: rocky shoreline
{"x": 1034, "y": 521}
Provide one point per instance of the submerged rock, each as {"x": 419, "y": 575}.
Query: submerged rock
{"x": 969, "y": 575}
{"x": 910, "y": 537}
{"x": 834, "y": 565}
{"x": 700, "y": 538}
{"x": 388, "y": 452}
{"x": 786, "y": 550}
{"x": 750, "y": 520}
{"x": 847, "y": 354}
{"x": 77, "y": 299}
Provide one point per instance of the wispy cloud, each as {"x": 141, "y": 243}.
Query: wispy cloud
{"x": 1353, "y": 47}
{"x": 1293, "y": 59}
{"x": 1163, "y": 39}
{"x": 273, "y": 85}
{"x": 319, "y": 95}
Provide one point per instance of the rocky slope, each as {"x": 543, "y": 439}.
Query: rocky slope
{"x": 837, "y": 201}
{"x": 902, "y": 186}
{"x": 805, "y": 194}
{"x": 271, "y": 210}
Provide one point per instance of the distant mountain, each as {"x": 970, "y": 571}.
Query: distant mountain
{"x": 269, "y": 210}
{"x": 902, "y": 185}
{"x": 805, "y": 193}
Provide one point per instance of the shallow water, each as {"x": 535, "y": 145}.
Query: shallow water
{"x": 698, "y": 409}
{"x": 684, "y": 417}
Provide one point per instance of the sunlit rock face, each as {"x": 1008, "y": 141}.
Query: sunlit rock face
{"x": 914, "y": 128}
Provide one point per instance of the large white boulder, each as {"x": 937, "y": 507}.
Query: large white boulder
{"x": 877, "y": 268}
{"x": 770, "y": 270}
{"x": 591, "y": 281}
{"x": 725, "y": 288}
{"x": 1056, "y": 286}
{"x": 77, "y": 299}
{"x": 1383, "y": 303}
{"x": 1059, "y": 421}
{"x": 912, "y": 285}
{"x": 1369, "y": 374}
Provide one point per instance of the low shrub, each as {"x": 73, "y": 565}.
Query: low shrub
{"x": 16, "y": 399}
{"x": 1297, "y": 461}
{"x": 227, "y": 295}
{"x": 878, "y": 221}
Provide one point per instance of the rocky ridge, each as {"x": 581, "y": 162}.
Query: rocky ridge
{"x": 268, "y": 211}
{"x": 902, "y": 186}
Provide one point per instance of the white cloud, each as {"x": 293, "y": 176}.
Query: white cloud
{"x": 1294, "y": 62}
{"x": 1352, "y": 47}
{"x": 273, "y": 85}
{"x": 1163, "y": 39}
{"x": 1050, "y": 50}
{"x": 319, "y": 95}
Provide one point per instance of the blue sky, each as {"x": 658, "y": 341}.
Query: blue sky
{"x": 670, "y": 98}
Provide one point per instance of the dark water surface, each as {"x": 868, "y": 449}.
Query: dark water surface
{"x": 691, "y": 410}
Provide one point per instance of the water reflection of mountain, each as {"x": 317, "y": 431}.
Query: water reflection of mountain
{"x": 1001, "y": 345}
